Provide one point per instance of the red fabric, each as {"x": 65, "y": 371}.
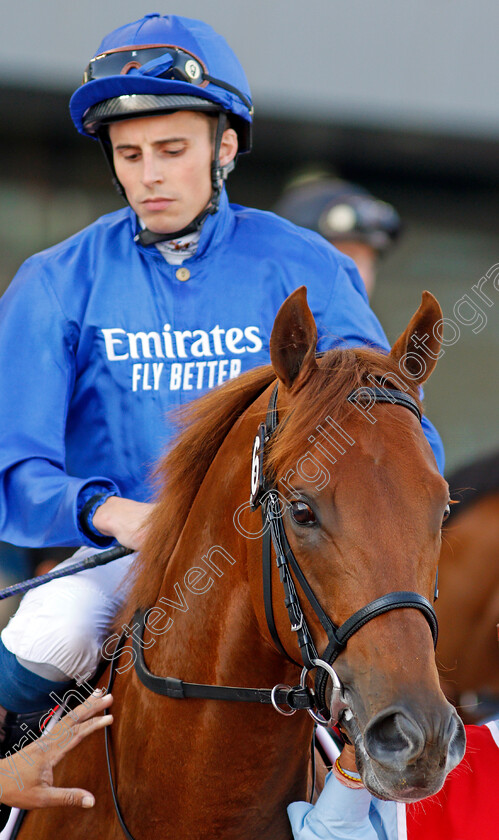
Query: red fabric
{"x": 467, "y": 807}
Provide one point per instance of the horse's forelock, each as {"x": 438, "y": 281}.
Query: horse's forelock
{"x": 340, "y": 372}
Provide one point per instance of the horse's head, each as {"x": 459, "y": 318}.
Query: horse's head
{"x": 364, "y": 508}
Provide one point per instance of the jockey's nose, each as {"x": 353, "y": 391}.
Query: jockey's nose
{"x": 151, "y": 171}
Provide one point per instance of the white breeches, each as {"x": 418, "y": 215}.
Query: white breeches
{"x": 65, "y": 622}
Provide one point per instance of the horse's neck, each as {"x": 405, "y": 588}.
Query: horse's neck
{"x": 214, "y": 637}
{"x": 206, "y": 585}
{"x": 206, "y": 589}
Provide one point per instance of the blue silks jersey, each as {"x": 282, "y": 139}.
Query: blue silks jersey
{"x": 100, "y": 338}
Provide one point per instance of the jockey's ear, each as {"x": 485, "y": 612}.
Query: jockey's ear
{"x": 416, "y": 351}
{"x": 294, "y": 340}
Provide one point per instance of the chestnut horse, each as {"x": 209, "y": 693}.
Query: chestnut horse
{"x": 468, "y": 607}
{"x": 363, "y": 519}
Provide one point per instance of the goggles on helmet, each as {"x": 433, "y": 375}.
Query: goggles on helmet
{"x": 160, "y": 61}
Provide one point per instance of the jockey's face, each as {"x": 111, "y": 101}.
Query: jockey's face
{"x": 164, "y": 165}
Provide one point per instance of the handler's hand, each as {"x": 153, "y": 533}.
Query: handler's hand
{"x": 31, "y": 768}
{"x": 123, "y": 519}
{"x": 347, "y": 758}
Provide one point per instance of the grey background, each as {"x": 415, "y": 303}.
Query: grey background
{"x": 431, "y": 63}
{"x": 400, "y": 96}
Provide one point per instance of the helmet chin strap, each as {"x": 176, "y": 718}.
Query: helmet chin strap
{"x": 218, "y": 175}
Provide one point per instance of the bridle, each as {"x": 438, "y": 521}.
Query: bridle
{"x": 264, "y": 493}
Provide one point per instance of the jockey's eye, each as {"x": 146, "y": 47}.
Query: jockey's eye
{"x": 302, "y": 513}
{"x": 446, "y": 513}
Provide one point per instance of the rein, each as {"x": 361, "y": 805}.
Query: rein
{"x": 298, "y": 697}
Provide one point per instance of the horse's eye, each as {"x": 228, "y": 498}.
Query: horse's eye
{"x": 446, "y": 513}
{"x": 302, "y": 513}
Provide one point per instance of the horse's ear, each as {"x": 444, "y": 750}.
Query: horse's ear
{"x": 416, "y": 351}
{"x": 293, "y": 341}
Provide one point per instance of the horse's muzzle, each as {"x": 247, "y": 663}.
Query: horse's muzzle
{"x": 399, "y": 760}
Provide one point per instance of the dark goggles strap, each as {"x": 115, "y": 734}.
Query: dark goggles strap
{"x": 174, "y": 73}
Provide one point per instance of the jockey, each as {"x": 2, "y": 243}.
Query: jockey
{"x": 137, "y": 314}
{"x": 348, "y": 216}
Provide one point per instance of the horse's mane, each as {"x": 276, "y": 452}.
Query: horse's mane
{"x": 207, "y": 421}
{"x": 473, "y": 480}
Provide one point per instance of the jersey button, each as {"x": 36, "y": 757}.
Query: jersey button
{"x": 182, "y": 274}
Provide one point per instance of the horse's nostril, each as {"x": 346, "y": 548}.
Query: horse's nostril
{"x": 457, "y": 742}
{"x": 394, "y": 740}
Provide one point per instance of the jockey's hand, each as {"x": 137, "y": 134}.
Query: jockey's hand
{"x": 26, "y": 777}
{"x": 123, "y": 519}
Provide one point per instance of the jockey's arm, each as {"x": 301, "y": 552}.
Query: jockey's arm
{"x": 41, "y": 504}
{"x": 123, "y": 519}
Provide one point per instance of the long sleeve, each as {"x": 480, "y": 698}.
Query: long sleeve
{"x": 339, "y": 814}
{"x": 39, "y": 501}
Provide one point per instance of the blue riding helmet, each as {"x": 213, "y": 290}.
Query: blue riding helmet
{"x": 163, "y": 63}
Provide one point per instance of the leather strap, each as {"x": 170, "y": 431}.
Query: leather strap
{"x": 388, "y": 395}
{"x": 296, "y": 697}
{"x": 392, "y": 601}
{"x": 107, "y": 737}
{"x": 380, "y": 606}
{"x": 267, "y": 586}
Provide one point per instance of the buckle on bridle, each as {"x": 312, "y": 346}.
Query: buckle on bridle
{"x": 274, "y": 702}
{"x": 297, "y": 697}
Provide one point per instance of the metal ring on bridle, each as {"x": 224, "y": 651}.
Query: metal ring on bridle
{"x": 273, "y": 700}
{"x": 337, "y": 701}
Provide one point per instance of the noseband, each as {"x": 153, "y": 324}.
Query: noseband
{"x": 265, "y": 494}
